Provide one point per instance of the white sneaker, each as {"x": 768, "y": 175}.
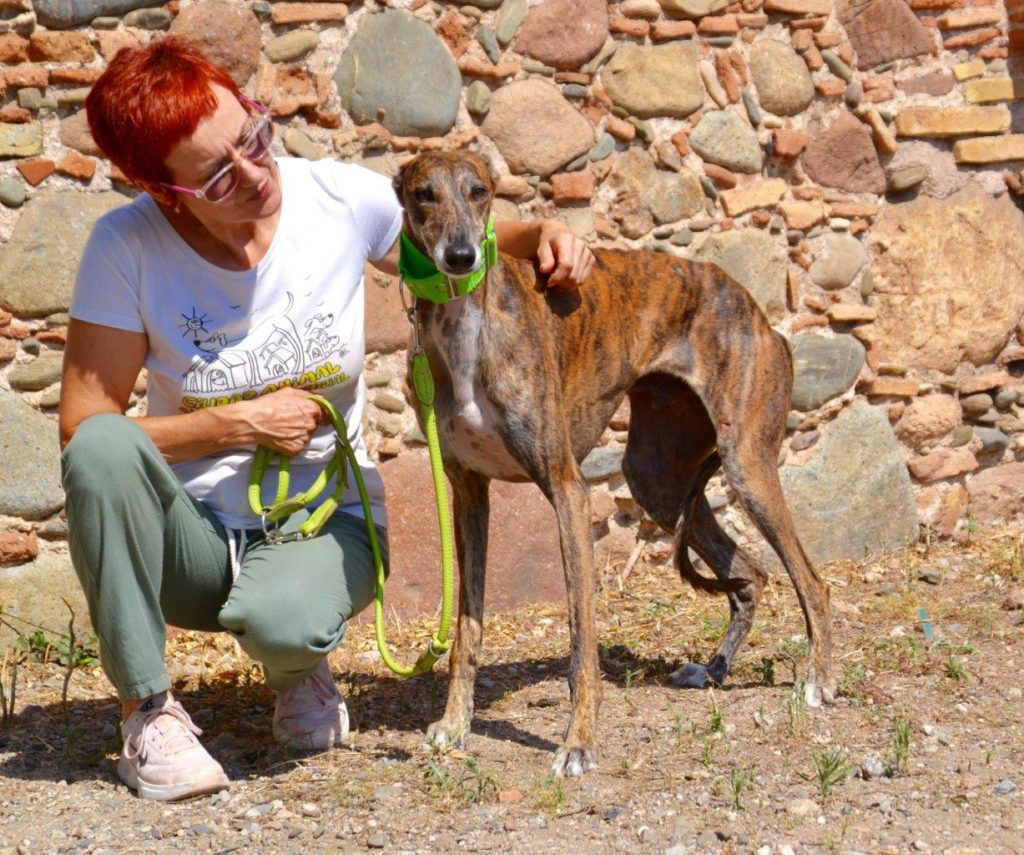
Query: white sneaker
{"x": 311, "y": 715}
{"x": 162, "y": 759}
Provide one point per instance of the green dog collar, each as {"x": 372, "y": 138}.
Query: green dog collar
{"x": 426, "y": 282}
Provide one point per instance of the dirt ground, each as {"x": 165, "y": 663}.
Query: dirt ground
{"x": 924, "y": 750}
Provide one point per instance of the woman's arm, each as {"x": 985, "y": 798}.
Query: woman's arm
{"x": 566, "y": 258}
{"x": 100, "y": 367}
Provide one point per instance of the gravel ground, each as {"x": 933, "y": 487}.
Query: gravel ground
{"x": 923, "y": 752}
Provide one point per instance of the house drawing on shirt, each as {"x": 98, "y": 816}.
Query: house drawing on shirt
{"x": 280, "y": 353}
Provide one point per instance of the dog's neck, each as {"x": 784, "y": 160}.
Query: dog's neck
{"x": 426, "y": 282}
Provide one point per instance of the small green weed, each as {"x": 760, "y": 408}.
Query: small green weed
{"x": 470, "y": 786}
{"x": 830, "y": 769}
{"x": 768, "y": 672}
{"x": 954, "y": 670}
{"x": 738, "y": 782}
{"x": 550, "y": 795}
{"x": 900, "y": 743}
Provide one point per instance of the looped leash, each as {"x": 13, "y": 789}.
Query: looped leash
{"x": 282, "y": 506}
{"x": 424, "y": 281}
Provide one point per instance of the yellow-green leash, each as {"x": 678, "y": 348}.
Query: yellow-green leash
{"x": 282, "y": 507}
{"x": 417, "y": 273}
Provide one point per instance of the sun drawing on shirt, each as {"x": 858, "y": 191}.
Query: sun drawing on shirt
{"x": 194, "y": 323}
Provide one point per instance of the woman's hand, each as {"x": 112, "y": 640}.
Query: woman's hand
{"x": 566, "y": 258}
{"x": 284, "y": 420}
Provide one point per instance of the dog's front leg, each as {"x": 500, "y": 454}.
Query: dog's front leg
{"x": 471, "y": 509}
{"x": 571, "y": 499}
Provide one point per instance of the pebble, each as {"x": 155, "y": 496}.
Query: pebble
{"x": 478, "y": 98}
{"x": 837, "y": 66}
{"x": 752, "y": 109}
{"x": 12, "y": 193}
{"x": 904, "y": 179}
{"x": 299, "y": 144}
{"x": 489, "y": 42}
{"x": 310, "y": 809}
{"x": 683, "y": 237}
{"x": 993, "y": 440}
{"x": 802, "y": 807}
{"x": 375, "y": 379}
{"x": 377, "y": 840}
{"x": 382, "y": 794}
{"x": 605, "y": 146}
{"x": 389, "y": 402}
{"x": 1005, "y": 787}
{"x": 709, "y": 187}
{"x": 871, "y": 768}
{"x": 148, "y": 19}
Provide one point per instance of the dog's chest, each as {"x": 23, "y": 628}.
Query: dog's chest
{"x": 468, "y": 424}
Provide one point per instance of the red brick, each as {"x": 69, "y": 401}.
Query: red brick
{"x": 807, "y": 23}
{"x": 58, "y": 335}
{"x": 453, "y": 32}
{"x": 808, "y": 321}
{"x": 832, "y": 88}
{"x": 681, "y": 140}
{"x": 971, "y": 39}
{"x": 13, "y": 48}
{"x": 472, "y": 67}
{"x": 60, "y": 47}
{"x": 789, "y": 143}
{"x": 75, "y": 76}
{"x": 994, "y": 52}
{"x": 812, "y": 59}
{"x": 720, "y": 175}
{"x": 718, "y": 25}
{"x": 755, "y": 21}
{"x": 628, "y": 26}
{"x": 17, "y": 547}
{"x": 15, "y": 114}
{"x": 727, "y": 75}
{"x": 573, "y": 186}
{"x": 665, "y": 30}
{"x": 19, "y": 76}
{"x": 35, "y": 172}
{"x": 15, "y": 333}
{"x": 77, "y": 165}
{"x": 305, "y": 13}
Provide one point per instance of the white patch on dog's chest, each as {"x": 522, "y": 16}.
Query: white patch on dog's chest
{"x": 470, "y": 431}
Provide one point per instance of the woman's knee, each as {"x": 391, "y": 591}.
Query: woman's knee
{"x": 102, "y": 445}
{"x": 285, "y": 635}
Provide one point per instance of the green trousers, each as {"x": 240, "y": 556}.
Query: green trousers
{"x": 148, "y": 554}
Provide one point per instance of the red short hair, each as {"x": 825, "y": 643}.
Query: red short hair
{"x": 148, "y": 100}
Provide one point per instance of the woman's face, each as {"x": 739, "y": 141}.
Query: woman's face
{"x": 217, "y": 141}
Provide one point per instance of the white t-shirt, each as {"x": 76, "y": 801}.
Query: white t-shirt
{"x": 218, "y": 336}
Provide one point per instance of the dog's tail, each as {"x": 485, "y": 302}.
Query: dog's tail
{"x": 682, "y": 536}
{"x": 701, "y": 583}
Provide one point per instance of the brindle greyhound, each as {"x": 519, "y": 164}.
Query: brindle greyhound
{"x": 527, "y": 379}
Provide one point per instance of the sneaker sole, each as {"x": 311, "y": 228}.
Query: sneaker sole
{"x": 169, "y": 792}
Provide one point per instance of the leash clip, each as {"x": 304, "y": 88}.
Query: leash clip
{"x": 272, "y": 533}
{"x": 409, "y": 305}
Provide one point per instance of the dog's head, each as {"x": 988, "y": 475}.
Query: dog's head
{"x": 447, "y": 200}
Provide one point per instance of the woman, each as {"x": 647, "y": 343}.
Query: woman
{"x": 236, "y": 280}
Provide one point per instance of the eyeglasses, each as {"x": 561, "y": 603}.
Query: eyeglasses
{"x": 254, "y": 147}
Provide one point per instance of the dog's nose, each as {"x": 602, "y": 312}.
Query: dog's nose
{"x": 459, "y": 257}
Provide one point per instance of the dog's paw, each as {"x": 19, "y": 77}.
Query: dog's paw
{"x": 694, "y": 676}
{"x": 571, "y": 762}
{"x": 442, "y": 736}
{"x": 816, "y": 695}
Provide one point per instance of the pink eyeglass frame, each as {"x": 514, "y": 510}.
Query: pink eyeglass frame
{"x": 201, "y": 192}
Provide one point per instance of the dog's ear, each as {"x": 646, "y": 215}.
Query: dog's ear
{"x": 398, "y": 183}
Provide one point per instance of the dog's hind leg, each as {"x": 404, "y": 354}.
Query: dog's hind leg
{"x": 669, "y": 459}
{"x": 471, "y": 510}
{"x": 729, "y": 562}
{"x": 754, "y": 477}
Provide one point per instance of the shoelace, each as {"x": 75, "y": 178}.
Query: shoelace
{"x": 150, "y": 719}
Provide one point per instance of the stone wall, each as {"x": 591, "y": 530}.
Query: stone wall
{"x": 853, "y": 164}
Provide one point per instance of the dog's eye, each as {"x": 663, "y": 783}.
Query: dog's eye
{"x": 424, "y": 195}
{"x": 478, "y": 193}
